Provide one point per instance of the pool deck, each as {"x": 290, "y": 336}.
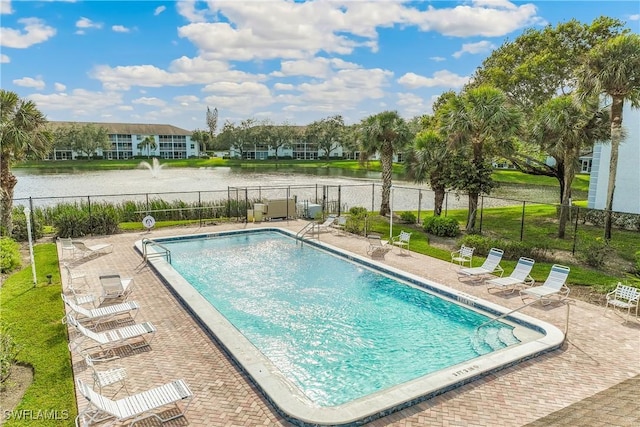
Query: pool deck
{"x": 592, "y": 380}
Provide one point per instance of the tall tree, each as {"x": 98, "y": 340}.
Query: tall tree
{"x": 385, "y": 133}
{"x": 148, "y": 143}
{"x": 23, "y": 133}
{"x": 613, "y": 69}
{"x": 326, "y": 134}
{"x": 563, "y": 127}
{"x": 212, "y": 121}
{"x": 203, "y": 138}
{"x": 282, "y": 136}
{"x": 483, "y": 121}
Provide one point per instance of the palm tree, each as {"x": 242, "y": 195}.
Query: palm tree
{"x": 148, "y": 143}
{"x": 613, "y": 69}
{"x": 427, "y": 160}
{"x": 385, "y": 133}
{"x": 23, "y": 132}
{"x": 483, "y": 121}
{"x": 563, "y": 126}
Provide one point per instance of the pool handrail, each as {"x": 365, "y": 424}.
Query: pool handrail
{"x": 145, "y": 254}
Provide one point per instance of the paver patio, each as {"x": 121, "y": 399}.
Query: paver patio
{"x": 600, "y": 353}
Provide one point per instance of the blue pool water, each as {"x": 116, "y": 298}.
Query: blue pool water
{"x": 336, "y": 329}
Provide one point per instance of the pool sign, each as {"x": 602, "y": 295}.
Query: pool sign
{"x": 148, "y": 221}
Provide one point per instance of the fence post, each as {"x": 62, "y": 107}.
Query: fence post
{"x": 33, "y": 221}
{"x": 228, "y": 203}
{"x": 200, "y": 209}
{"x": 339, "y": 199}
{"x": 90, "y": 219}
{"x": 373, "y": 196}
{"x": 481, "y": 212}
{"x": 524, "y": 203}
{"x": 446, "y": 203}
{"x": 316, "y": 200}
{"x": 575, "y": 231}
{"x": 419, "y": 204}
{"x": 246, "y": 205}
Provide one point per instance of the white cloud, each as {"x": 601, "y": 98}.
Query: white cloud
{"x": 35, "y": 31}
{"x": 59, "y": 87}
{"x": 120, "y": 29}
{"x": 125, "y": 108}
{"x": 4, "y": 59}
{"x": 283, "y": 86}
{"x": 36, "y": 83}
{"x": 156, "y": 102}
{"x": 635, "y": 17}
{"x": 158, "y": 10}
{"x": 411, "y": 105}
{"x": 473, "y": 48}
{"x": 437, "y": 58}
{"x": 5, "y": 7}
{"x": 79, "y": 104}
{"x": 315, "y": 67}
{"x": 187, "y": 9}
{"x": 87, "y": 23}
{"x": 442, "y": 78}
{"x": 186, "y": 99}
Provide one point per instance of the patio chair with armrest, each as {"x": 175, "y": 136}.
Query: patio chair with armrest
{"x": 115, "y": 287}
{"x": 553, "y": 287}
{"x": 624, "y": 297}
{"x": 463, "y": 256}
{"x": 402, "y": 241}
{"x": 377, "y": 247}
{"x": 520, "y": 276}
{"x": 491, "y": 265}
{"x": 133, "y": 408}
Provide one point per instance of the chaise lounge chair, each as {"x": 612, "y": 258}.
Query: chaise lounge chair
{"x": 553, "y": 287}
{"x": 490, "y": 265}
{"x": 134, "y": 336}
{"x": 93, "y": 250}
{"x": 377, "y": 248}
{"x": 115, "y": 287}
{"x": 518, "y": 277}
{"x": 133, "y": 408}
{"x": 101, "y": 314}
{"x": 327, "y": 225}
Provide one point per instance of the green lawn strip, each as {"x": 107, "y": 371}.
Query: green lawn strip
{"x": 580, "y": 182}
{"x": 34, "y": 314}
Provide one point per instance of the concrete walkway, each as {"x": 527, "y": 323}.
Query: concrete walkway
{"x": 591, "y": 381}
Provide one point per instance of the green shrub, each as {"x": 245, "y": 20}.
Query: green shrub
{"x": 19, "y": 232}
{"x": 10, "y": 258}
{"x": 104, "y": 219}
{"x": 512, "y": 249}
{"x": 481, "y": 243}
{"x": 593, "y": 251}
{"x": 358, "y": 211}
{"x": 9, "y": 350}
{"x": 637, "y": 257}
{"x": 442, "y": 226}
{"x": 408, "y": 217}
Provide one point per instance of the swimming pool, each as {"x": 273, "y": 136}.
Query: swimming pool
{"x": 332, "y": 338}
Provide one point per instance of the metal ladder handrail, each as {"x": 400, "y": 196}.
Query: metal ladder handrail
{"x": 505, "y": 315}
{"x": 145, "y": 255}
{"x": 309, "y": 226}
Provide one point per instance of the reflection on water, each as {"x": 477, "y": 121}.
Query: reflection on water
{"x": 357, "y": 187}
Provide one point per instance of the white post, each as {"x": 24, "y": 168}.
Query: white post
{"x": 27, "y": 213}
{"x": 391, "y": 215}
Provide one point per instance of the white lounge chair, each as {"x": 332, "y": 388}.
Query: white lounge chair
{"x": 101, "y": 314}
{"x": 93, "y": 250}
{"x": 463, "y": 256}
{"x": 518, "y": 277}
{"x": 111, "y": 376}
{"x": 68, "y": 248}
{"x": 327, "y": 224}
{"x": 134, "y": 336}
{"x": 402, "y": 241}
{"x": 114, "y": 286}
{"x": 553, "y": 287}
{"x": 377, "y": 247}
{"x": 625, "y": 297}
{"x": 491, "y": 265}
{"x": 133, "y": 408}
{"x": 340, "y": 223}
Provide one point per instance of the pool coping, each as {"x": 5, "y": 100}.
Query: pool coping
{"x": 292, "y": 403}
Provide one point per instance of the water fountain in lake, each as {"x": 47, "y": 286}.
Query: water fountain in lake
{"x": 154, "y": 167}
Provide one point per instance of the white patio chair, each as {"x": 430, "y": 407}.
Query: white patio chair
{"x": 377, "y": 247}
{"x": 491, "y": 265}
{"x": 625, "y": 297}
{"x": 115, "y": 287}
{"x": 74, "y": 277}
{"x": 101, "y": 314}
{"x": 553, "y": 287}
{"x": 68, "y": 248}
{"x": 133, "y": 408}
{"x": 463, "y": 256}
{"x": 327, "y": 224}
{"x": 114, "y": 375}
{"x": 93, "y": 250}
{"x": 402, "y": 241}
{"x": 518, "y": 277}
{"x": 134, "y": 336}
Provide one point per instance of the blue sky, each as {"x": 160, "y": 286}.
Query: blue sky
{"x": 165, "y": 62}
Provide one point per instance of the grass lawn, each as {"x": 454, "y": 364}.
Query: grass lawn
{"x": 34, "y": 315}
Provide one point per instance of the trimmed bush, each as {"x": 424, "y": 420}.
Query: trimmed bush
{"x": 8, "y": 353}
{"x": 442, "y": 226}
{"x": 19, "y": 232}
{"x": 593, "y": 251}
{"x": 10, "y": 258}
{"x": 408, "y": 217}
